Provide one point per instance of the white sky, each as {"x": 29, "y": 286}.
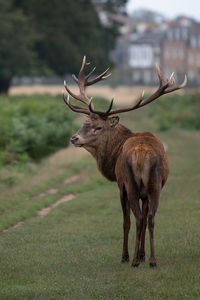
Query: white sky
{"x": 170, "y": 8}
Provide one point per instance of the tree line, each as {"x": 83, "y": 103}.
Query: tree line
{"x": 51, "y": 36}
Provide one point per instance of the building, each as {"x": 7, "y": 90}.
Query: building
{"x": 144, "y": 53}
{"x": 174, "y": 46}
{"x": 193, "y": 55}
{"x": 174, "y": 51}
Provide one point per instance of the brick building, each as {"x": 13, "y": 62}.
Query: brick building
{"x": 175, "y": 47}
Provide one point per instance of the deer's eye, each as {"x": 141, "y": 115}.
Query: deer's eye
{"x": 98, "y": 128}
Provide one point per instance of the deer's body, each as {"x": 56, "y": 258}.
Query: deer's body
{"x": 137, "y": 161}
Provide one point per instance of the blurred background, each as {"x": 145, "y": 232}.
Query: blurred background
{"x": 44, "y": 43}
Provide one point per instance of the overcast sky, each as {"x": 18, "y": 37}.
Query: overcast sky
{"x": 169, "y": 8}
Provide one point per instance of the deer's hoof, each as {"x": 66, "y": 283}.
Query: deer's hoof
{"x": 142, "y": 257}
{"x": 135, "y": 263}
{"x": 125, "y": 259}
{"x": 152, "y": 265}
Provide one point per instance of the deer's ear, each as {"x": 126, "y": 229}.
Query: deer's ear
{"x": 113, "y": 121}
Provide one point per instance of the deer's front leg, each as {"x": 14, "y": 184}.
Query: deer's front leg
{"x": 126, "y": 224}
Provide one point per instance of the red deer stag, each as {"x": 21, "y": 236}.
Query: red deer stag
{"x": 137, "y": 161}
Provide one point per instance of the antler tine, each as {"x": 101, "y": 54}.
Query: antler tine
{"x": 100, "y": 77}
{"x": 81, "y": 72}
{"x": 183, "y": 84}
{"x": 100, "y": 112}
{"x": 159, "y": 74}
{"x": 84, "y": 64}
{"x": 75, "y": 78}
{"x": 125, "y": 109}
{"x": 81, "y": 97}
{"x": 174, "y": 87}
{"x": 163, "y": 83}
{"x": 171, "y": 78}
{"x": 110, "y": 107}
{"x": 74, "y": 107}
{"x": 90, "y": 73}
{"x": 69, "y": 91}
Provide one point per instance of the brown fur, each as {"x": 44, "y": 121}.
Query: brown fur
{"x": 138, "y": 162}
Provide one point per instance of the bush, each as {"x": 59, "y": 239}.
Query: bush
{"x": 177, "y": 111}
{"x": 32, "y": 127}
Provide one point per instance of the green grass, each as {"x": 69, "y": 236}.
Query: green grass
{"x": 74, "y": 252}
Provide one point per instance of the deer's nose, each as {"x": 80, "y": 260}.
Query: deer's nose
{"x": 73, "y": 139}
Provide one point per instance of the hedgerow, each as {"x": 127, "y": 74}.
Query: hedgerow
{"x": 32, "y": 127}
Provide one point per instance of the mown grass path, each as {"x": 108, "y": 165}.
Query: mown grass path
{"x": 74, "y": 252}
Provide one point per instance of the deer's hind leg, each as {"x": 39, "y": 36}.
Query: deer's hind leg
{"x": 126, "y": 223}
{"x": 144, "y": 225}
{"x": 133, "y": 198}
{"x": 139, "y": 220}
{"x": 153, "y": 200}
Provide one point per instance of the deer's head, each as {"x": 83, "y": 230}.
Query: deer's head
{"x": 100, "y": 124}
{"x": 95, "y": 130}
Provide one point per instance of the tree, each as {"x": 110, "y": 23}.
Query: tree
{"x": 68, "y": 30}
{"x": 16, "y": 45}
{"x": 53, "y": 36}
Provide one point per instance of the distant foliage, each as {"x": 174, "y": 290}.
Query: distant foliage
{"x": 32, "y": 127}
{"x": 177, "y": 111}
{"x": 17, "y": 55}
{"x": 51, "y": 37}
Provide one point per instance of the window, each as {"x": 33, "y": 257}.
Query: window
{"x": 190, "y": 59}
{"x": 147, "y": 76}
{"x": 198, "y": 60}
{"x": 181, "y": 53}
{"x": 184, "y": 33}
{"x": 141, "y": 56}
{"x": 170, "y": 35}
{"x": 157, "y": 50}
{"x": 166, "y": 53}
{"x": 193, "y": 42}
{"x": 177, "y": 34}
{"x": 174, "y": 52}
{"x": 191, "y": 74}
{"x": 136, "y": 76}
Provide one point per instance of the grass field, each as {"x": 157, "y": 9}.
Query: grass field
{"x": 74, "y": 252}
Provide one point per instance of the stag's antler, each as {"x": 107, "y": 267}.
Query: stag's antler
{"x": 83, "y": 81}
{"x": 165, "y": 87}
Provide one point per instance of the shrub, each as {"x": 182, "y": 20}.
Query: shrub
{"x": 177, "y": 111}
{"x": 32, "y": 127}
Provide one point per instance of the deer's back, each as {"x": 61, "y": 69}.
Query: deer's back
{"x": 144, "y": 156}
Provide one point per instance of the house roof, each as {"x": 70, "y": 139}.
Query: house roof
{"x": 149, "y": 37}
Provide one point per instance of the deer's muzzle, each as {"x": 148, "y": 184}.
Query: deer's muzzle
{"x": 74, "y": 139}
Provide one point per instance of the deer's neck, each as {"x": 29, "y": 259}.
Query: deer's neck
{"x": 107, "y": 153}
